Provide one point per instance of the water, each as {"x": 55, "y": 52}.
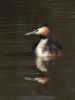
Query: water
{"x": 16, "y": 58}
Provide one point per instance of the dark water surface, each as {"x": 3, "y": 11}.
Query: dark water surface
{"x": 16, "y": 58}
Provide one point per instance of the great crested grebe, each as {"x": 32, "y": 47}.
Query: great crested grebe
{"x": 45, "y": 47}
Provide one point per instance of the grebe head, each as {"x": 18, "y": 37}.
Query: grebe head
{"x": 41, "y": 30}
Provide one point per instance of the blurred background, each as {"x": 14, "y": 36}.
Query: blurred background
{"x": 18, "y": 17}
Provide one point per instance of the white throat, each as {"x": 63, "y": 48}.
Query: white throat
{"x": 40, "y": 49}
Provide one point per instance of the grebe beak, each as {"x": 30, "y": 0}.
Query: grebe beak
{"x": 30, "y": 33}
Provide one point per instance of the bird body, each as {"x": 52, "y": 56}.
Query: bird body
{"x": 45, "y": 47}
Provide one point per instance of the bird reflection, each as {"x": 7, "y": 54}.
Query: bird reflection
{"x": 42, "y": 65}
{"x": 39, "y": 79}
